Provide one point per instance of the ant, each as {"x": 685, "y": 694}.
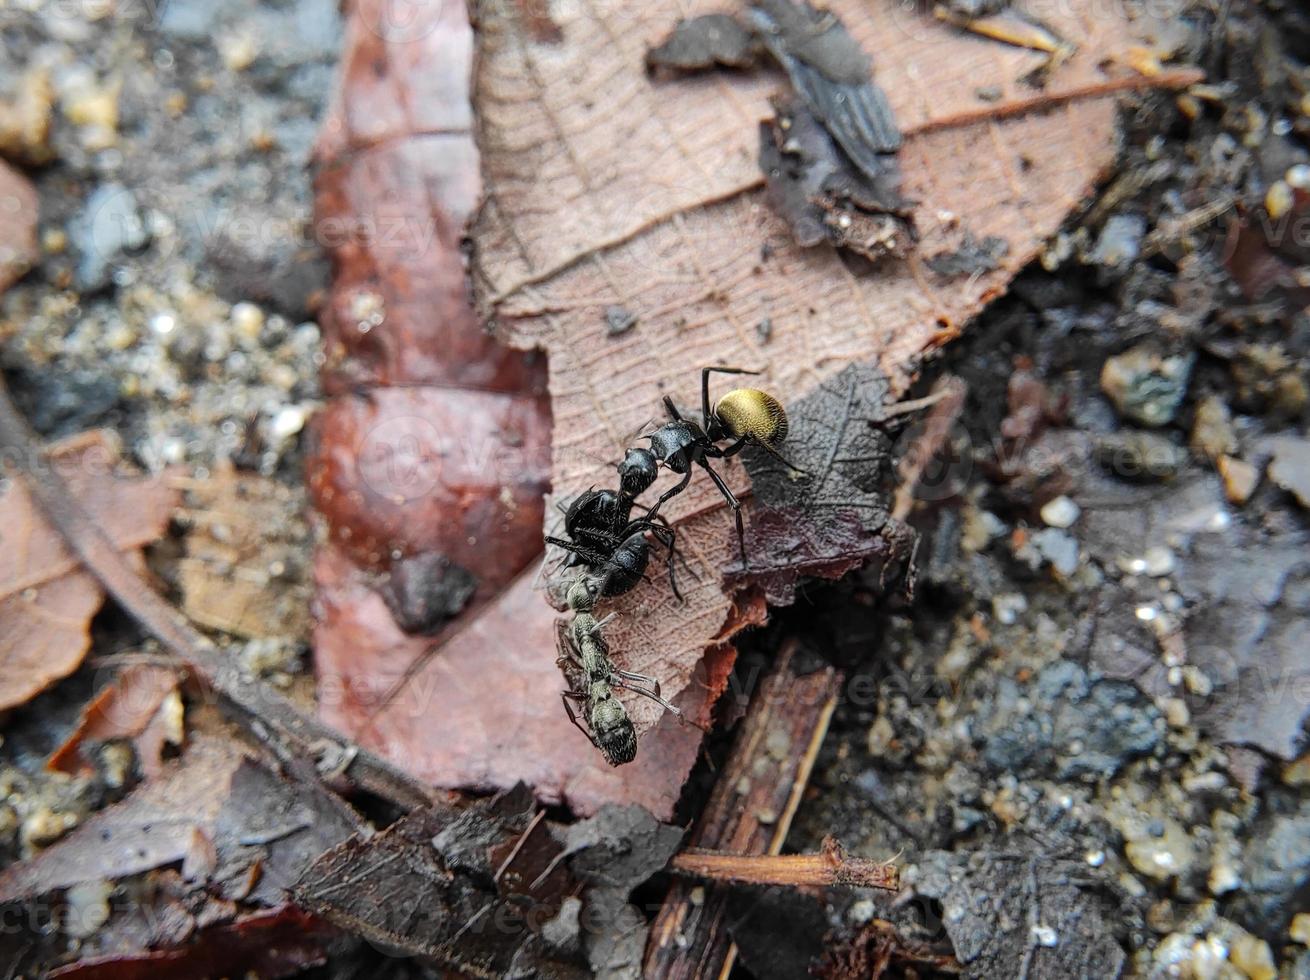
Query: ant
{"x": 592, "y": 677}
{"x": 747, "y": 416}
{"x": 603, "y": 536}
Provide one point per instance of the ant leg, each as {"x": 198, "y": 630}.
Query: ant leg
{"x": 741, "y": 444}
{"x": 588, "y": 557}
{"x": 735, "y": 504}
{"x": 665, "y": 536}
{"x": 783, "y": 459}
{"x": 568, "y": 708}
{"x": 668, "y": 494}
{"x": 618, "y": 678}
{"x": 705, "y": 387}
{"x": 672, "y": 409}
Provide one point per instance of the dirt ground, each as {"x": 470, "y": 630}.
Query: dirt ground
{"x": 1089, "y": 721}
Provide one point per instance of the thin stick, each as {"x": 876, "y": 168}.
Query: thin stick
{"x": 749, "y": 812}
{"x": 1043, "y": 101}
{"x": 831, "y": 866}
{"x": 262, "y": 711}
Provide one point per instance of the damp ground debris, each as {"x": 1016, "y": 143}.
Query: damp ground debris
{"x": 1081, "y": 733}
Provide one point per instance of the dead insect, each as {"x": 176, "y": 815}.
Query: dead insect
{"x": 747, "y": 416}
{"x": 592, "y": 677}
{"x": 603, "y": 535}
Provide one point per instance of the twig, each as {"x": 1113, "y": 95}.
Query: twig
{"x": 831, "y": 866}
{"x": 1043, "y": 101}
{"x": 930, "y": 444}
{"x": 262, "y": 711}
{"x": 749, "y": 813}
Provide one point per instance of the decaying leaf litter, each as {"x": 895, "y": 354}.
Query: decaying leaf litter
{"x": 1259, "y": 377}
{"x": 540, "y": 278}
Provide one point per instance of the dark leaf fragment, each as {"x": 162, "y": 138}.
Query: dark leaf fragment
{"x": 779, "y": 931}
{"x": 435, "y": 884}
{"x": 837, "y": 517}
{"x": 1011, "y": 915}
{"x": 273, "y": 827}
{"x": 878, "y": 950}
{"x": 426, "y": 590}
{"x": 281, "y": 942}
{"x": 812, "y": 184}
{"x": 971, "y": 258}
{"x": 704, "y": 42}
{"x": 832, "y": 74}
{"x": 614, "y": 852}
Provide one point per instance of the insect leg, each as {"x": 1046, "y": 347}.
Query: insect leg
{"x": 564, "y": 696}
{"x": 620, "y": 678}
{"x": 705, "y": 387}
{"x": 668, "y": 494}
{"x": 734, "y": 503}
{"x": 588, "y": 556}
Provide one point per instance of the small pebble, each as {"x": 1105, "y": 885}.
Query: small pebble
{"x": 1212, "y": 428}
{"x": 1240, "y": 478}
{"x": 1145, "y": 386}
{"x": 1299, "y": 930}
{"x": 1279, "y": 199}
{"x": 87, "y": 908}
{"x": 1007, "y": 608}
{"x": 619, "y": 320}
{"x": 1253, "y": 957}
{"x": 1060, "y": 512}
{"x": 1120, "y": 241}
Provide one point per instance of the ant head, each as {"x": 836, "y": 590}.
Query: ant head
{"x": 637, "y": 471}
{"x": 581, "y": 594}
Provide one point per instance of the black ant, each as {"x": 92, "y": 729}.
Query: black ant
{"x": 747, "y": 416}
{"x": 603, "y": 535}
{"x": 592, "y": 677}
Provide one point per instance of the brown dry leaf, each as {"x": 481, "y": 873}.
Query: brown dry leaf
{"x": 18, "y": 212}
{"x": 485, "y": 711}
{"x": 607, "y": 189}
{"x": 154, "y": 826}
{"x": 242, "y": 556}
{"x": 435, "y": 447}
{"x": 141, "y": 704}
{"x": 46, "y": 601}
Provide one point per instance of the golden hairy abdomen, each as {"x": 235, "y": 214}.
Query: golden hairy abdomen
{"x": 751, "y": 412}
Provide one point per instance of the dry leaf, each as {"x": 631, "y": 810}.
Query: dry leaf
{"x": 280, "y": 942}
{"x": 153, "y": 826}
{"x": 485, "y": 711}
{"x": 607, "y": 188}
{"x": 46, "y": 601}
{"x": 142, "y": 704}
{"x": 469, "y": 892}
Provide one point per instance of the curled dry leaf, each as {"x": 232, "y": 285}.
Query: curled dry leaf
{"x": 142, "y": 704}
{"x": 46, "y": 600}
{"x": 154, "y": 826}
